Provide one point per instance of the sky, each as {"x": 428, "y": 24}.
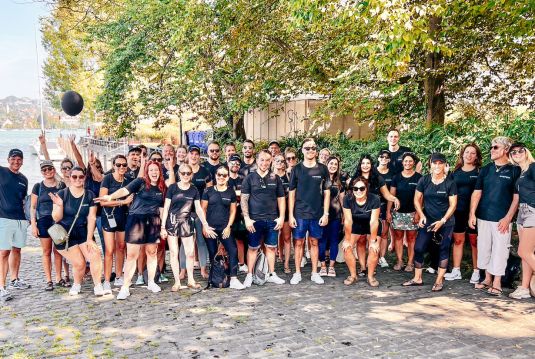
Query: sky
{"x": 18, "y": 58}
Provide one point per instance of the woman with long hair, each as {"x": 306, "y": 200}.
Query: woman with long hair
{"x": 285, "y": 235}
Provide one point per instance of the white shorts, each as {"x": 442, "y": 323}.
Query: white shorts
{"x": 13, "y": 233}
{"x": 526, "y": 216}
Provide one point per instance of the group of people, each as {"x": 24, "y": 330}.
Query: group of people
{"x": 265, "y": 200}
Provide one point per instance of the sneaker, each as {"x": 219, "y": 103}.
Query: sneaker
{"x": 474, "y": 279}
{"x": 331, "y": 272}
{"x": 316, "y": 278}
{"x": 196, "y": 265}
{"x": 123, "y": 293}
{"x": 99, "y": 290}
{"x": 296, "y": 279}
{"x": 19, "y": 284}
{"x": 274, "y": 278}
{"x": 520, "y": 293}
{"x": 455, "y": 274}
{"x": 106, "y": 286}
{"x": 5, "y": 295}
{"x": 243, "y": 268}
{"x": 248, "y": 281}
{"x": 153, "y": 287}
{"x": 75, "y": 289}
{"x": 49, "y": 286}
{"x": 303, "y": 262}
{"x": 236, "y": 284}
{"x": 163, "y": 279}
{"x": 430, "y": 270}
{"x": 383, "y": 263}
{"x": 323, "y": 272}
{"x": 140, "y": 280}
{"x": 118, "y": 282}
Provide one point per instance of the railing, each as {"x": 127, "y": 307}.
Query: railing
{"x": 105, "y": 147}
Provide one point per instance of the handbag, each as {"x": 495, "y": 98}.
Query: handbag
{"x": 58, "y": 234}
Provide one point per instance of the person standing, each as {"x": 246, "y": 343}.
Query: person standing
{"x": 285, "y": 238}
{"x": 308, "y": 202}
{"x": 396, "y": 151}
{"x": 169, "y": 164}
{"x": 214, "y": 155}
{"x": 492, "y": 207}
{"x": 230, "y": 150}
{"x": 263, "y": 204}
{"x": 249, "y": 163}
{"x": 387, "y": 174}
{"x": 275, "y": 148}
{"x": 238, "y": 227}
{"x": 325, "y": 153}
{"x": 13, "y": 223}
{"x": 133, "y": 159}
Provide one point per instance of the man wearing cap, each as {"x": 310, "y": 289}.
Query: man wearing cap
{"x": 213, "y": 163}
{"x": 133, "y": 160}
{"x": 238, "y": 228}
{"x": 13, "y": 223}
{"x": 397, "y": 151}
{"x": 275, "y": 148}
{"x": 248, "y": 164}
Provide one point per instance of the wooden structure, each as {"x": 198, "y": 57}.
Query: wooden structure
{"x": 292, "y": 117}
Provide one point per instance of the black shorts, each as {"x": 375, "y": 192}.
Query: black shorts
{"x": 120, "y": 219}
{"x": 461, "y": 223}
{"x": 179, "y": 227}
{"x": 382, "y": 215}
{"x": 239, "y": 231}
{"x": 78, "y": 236}
{"x": 43, "y": 224}
{"x": 142, "y": 228}
{"x": 364, "y": 228}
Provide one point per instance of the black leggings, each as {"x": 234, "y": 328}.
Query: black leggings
{"x": 230, "y": 247}
{"x": 422, "y": 243}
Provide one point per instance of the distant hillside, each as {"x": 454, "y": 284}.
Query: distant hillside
{"x": 23, "y": 112}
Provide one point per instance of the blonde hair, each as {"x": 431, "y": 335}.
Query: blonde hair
{"x": 529, "y": 158}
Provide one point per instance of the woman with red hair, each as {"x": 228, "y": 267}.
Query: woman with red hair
{"x": 143, "y": 223}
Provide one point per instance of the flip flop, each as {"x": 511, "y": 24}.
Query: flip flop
{"x": 373, "y": 282}
{"x": 492, "y": 292}
{"x": 482, "y": 286}
{"x": 412, "y": 283}
{"x": 437, "y": 287}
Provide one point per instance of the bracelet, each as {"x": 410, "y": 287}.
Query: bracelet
{"x": 443, "y": 220}
{"x": 326, "y": 214}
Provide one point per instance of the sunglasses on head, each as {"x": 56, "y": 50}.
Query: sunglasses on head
{"x": 310, "y": 148}
{"x": 185, "y": 173}
{"x": 75, "y": 177}
{"x": 121, "y": 165}
{"x": 361, "y": 189}
{"x": 519, "y": 151}
{"x": 47, "y": 169}
{"x": 66, "y": 168}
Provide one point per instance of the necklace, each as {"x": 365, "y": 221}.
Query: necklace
{"x": 498, "y": 168}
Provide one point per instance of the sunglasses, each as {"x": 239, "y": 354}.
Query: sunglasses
{"x": 121, "y": 165}
{"x": 384, "y": 157}
{"x": 311, "y": 148}
{"x": 361, "y": 189}
{"x": 157, "y": 159}
{"x": 290, "y": 158}
{"x": 66, "y": 168}
{"x": 215, "y": 150}
{"x": 75, "y": 177}
{"x": 495, "y": 147}
{"x": 519, "y": 151}
{"x": 224, "y": 175}
{"x": 47, "y": 169}
{"x": 185, "y": 173}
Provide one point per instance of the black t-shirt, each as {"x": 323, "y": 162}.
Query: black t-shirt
{"x": 362, "y": 214}
{"x": 235, "y": 183}
{"x": 166, "y": 172}
{"x": 131, "y": 174}
{"x": 396, "y": 164}
{"x": 376, "y": 185}
{"x": 335, "y": 208}
{"x": 13, "y": 190}
{"x": 497, "y": 188}
{"x": 218, "y": 211}
{"x": 212, "y": 169}
{"x": 466, "y": 182}
{"x": 201, "y": 178}
{"x": 437, "y": 198}
{"x": 525, "y": 186}
{"x": 93, "y": 186}
{"x": 182, "y": 201}
{"x": 405, "y": 188}
{"x": 245, "y": 169}
{"x": 309, "y": 184}
{"x": 263, "y": 192}
{"x": 146, "y": 201}
{"x": 71, "y": 205}
{"x": 113, "y": 186}
{"x": 44, "y": 202}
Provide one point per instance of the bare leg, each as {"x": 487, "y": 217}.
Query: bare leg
{"x": 14, "y": 262}
{"x": 109, "y": 245}
{"x": 458, "y": 245}
{"x": 75, "y": 256}
{"x": 95, "y": 262}
{"x": 189, "y": 249}
{"x": 298, "y": 253}
{"x": 314, "y": 253}
{"x": 58, "y": 260}
{"x": 120, "y": 247}
{"x": 46, "y": 245}
{"x": 4, "y": 266}
{"x": 361, "y": 251}
{"x": 152, "y": 261}
{"x": 132, "y": 255}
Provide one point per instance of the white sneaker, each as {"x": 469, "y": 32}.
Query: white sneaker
{"x": 243, "y": 268}
{"x": 75, "y": 289}
{"x": 296, "y": 279}
{"x": 5, "y": 295}
{"x": 118, "y": 282}
{"x": 153, "y": 287}
{"x": 140, "y": 280}
{"x": 106, "y": 287}
{"x": 248, "y": 281}
{"x": 274, "y": 278}
{"x": 455, "y": 274}
{"x": 123, "y": 293}
{"x": 520, "y": 293}
{"x": 474, "y": 279}
{"x": 316, "y": 278}
{"x": 98, "y": 290}
{"x": 383, "y": 263}
{"x": 236, "y": 284}
{"x": 430, "y": 270}
{"x": 303, "y": 262}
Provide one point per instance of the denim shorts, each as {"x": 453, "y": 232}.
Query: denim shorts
{"x": 263, "y": 229}
{"x": 311, "y": 226}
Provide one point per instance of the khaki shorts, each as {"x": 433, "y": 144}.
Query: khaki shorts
{"x": 404, "y": 221}
{"x": 13, "y": 233}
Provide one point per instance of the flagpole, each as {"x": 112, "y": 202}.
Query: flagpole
{"x": 39, "y": 83}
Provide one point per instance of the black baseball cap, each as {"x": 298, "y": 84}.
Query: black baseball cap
{"x": 234, "y": 158}
{"x": 517, "y": 145}
{"x": 385, "y": 152}
{"x": 437, "y": 156}
{"x": 15, "y": 152}
{"x": 135, "y": 149}
{"x": 194, "y": 148}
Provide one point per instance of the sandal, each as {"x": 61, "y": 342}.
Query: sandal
{"x": 373, "y": 282}
{"x": 482, "y": 286}
{"x": 287, "y": 270}
{"x": 409, "y": 268}
{"x": 495, "y": 292}
{"x": 412, "y": 283}
{"x": 437, "y": 287}
{"x": 350, "y": 280}
{"x": 177, "y": 287}
{"x": 194, "y": 285}
{"x": 398, "y": 266}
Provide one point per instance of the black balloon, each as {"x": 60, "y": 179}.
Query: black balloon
{"x": 72, "y": 103}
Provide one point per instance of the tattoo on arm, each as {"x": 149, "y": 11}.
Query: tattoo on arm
{"x": 244, "y": 202}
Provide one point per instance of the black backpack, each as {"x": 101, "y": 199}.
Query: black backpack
{"x": 219, "y": 272}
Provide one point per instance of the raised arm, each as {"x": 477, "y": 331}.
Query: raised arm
{"x": 76, "y": 152}
{"x": 43, "y": 148}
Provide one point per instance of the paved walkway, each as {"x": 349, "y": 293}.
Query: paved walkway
{"x": 271, "y": 321}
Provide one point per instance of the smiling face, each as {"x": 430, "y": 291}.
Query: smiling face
{"x": 497, "y": 151}
{"x": 469, "y": 155}
{"x": 181, "y": 154}
{"x": 194, "y": 157}
{"x": 393, "y": 138}
{"x": 324, "y": 155}
{"x": 214, "y": 152}
{"x": 234, "y": 166}
{"x": 280, "y": 163}
{"x": 263, "y": 161}
{"x": 15, "y": 163}
{"x": 437, "y": 168}
{"x": 518, "y": 154}
{"x": 77, "y": 178}
{"x": 359, "y": 190}
{"x": 48, "y": 172}
{"x": 247, "y": 150}
{"x": 408, "y": 163}
{"x": 221, "y": 176}
{"x": 185, "y": 173}
{"x": 365, "y": 166}
{"x": 168, "y": 152}
{"x": 384, "y": 159}
{"x": 310, "y": 150}
{"x": 275, "y": 149}
{"x": 121, "y": 166}
{"x": 154, "y": 172}
{"x": 229, "y": 151}
{"x": 133, "y": 159}
{"x": 332, "y": 166}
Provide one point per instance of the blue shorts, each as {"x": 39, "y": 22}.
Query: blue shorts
{"x": 311, "y": 226}
{"x": 12, "y": 233}
{"x": 264, "y": 229}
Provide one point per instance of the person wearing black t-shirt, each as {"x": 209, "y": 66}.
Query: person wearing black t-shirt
{"x": 308, "y": 207}
{"x": 81, "y": 243}
{"x": 285, "y": 240}
{"x": 405, "y": 219}
{"x": 361, "y": 221}
{"x": 219, "y": 204}
{"x": 435, "y": 201}
{"x": 113, "y": 220}
{"x": 169, "y": 164}
{"x": 465, "y": 176}
{"x": 142, "y": 224}
{"x": 41, "y": 220}
{"x": 263, "y": 205}
{"x": 181, "y": 200}
{"x": 492, "y": 207}
{"x": 387, "y": 174}
{"x": 248, "y": 164}
{"x": 134, "y": 161}
{"x": 213, "y": 162}
{"x": 396, "y": 151}
{"x": 229, "y": 150}
{"x": 238, "y": 227}
{"x": 525, "y": 187}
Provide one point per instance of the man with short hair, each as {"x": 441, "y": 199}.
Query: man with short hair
{"x": 397, "y": 151}
{"x": 230, "y": 149}
{"x": 248, "y": 164}
{"x": 169, "y": 158}
{"x": 308, "y": 202}
{"x": 214, "y": 155}
{"x": 493, "y": 206}
{"x": 275, "y": 148}
{"x": 133, "y": 160}
{"x": 263, "y": 204}
{"x": 13, "y": 223}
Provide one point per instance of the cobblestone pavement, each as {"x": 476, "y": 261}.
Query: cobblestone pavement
{"x": 306, "y": 320}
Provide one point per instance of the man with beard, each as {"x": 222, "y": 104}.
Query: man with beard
{"x": 249, "y": 164}
{"x": 213, "y": 163}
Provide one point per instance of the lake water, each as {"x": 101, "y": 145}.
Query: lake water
{"x": 23, "y": 140}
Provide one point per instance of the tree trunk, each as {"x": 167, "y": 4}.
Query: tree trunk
{"x": 434, "y": 80}
{"x": 238, "y": 127}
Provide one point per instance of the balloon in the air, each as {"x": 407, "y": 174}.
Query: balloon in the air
{"x": 72, "y": 103}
